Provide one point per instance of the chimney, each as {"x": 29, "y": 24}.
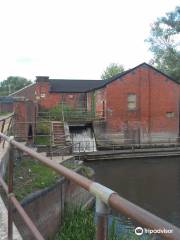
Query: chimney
{"x": 42, "y": 79}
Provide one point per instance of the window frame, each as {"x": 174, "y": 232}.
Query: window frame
{"x": 129, "y": 101}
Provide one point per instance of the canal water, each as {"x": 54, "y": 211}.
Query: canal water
{"x": 153, "y": 184}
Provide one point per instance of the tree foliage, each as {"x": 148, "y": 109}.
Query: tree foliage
{"x": 112, "y": 70}
{"x": 164, "y": 43}
{"x": 13, "y": 84}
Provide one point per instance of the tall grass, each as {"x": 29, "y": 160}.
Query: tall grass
{"x": 79, "y": 225}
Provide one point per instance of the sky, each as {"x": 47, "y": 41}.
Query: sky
{"x": 75, "y": 39}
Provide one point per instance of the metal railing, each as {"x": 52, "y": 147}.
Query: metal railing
{"x": 62, "y": 150}
{"x": 105, "y": 199}
{"x": 108, "y": 145}
{"x": 72, "y": 115}
{"x": 5, "y": 129}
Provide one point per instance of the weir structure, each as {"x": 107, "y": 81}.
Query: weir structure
{"x": 105, "y": 199}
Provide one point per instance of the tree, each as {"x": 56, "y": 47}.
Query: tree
{"x": 13, "y": 84}
{"x": 112, "y": 70}
{"x": 165, "y": 45}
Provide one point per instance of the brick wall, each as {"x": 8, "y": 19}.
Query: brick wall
{"x": 6, "y": 107}
{"x": 25, "y": 111}
{"x": 48, "y": 99}
{"x": 28, "y": 92}
{"x": 157, "y": 96}
{"x": 100, "y": 102}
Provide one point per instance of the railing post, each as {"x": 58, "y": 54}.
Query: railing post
{"x": 2, "y": 128}
{"x": 79, "y": 150}
{"x": 102, "y": 211}
{"x": 10, "y": 191}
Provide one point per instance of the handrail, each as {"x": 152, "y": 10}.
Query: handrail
{"x": 3, "y": 120}
{"x": 7, "y": 117}
{"x": 21, "y": 211}
{"x": 108, "y": 144}
{"x": 104, "y": 197}
{"x": 62, "y": 149}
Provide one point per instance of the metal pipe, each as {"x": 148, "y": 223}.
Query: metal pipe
{"x": 102, "y": 211}
{"x": 4, "y": 185}
{"x": 80, "y": 180}
{"x": 22, "y": 213}
{"x": 10, "y": 191}
{"x": 35, "y": 232}
{"x": 106, "y": 195}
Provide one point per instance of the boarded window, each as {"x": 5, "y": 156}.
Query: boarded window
{"x": 170, "y": 114}
{"x": 132, "y": 101}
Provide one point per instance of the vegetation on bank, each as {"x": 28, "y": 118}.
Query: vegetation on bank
{"x": 30, "y": 175}
{"x": 79, "y": 224}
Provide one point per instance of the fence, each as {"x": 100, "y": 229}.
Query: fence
{"x": 62, "y": 151}
{"x": 72, "y": 115}
{"x": 105, "y": 199}
{"x": 5, "y": 124}
{"x": 92, "y": 146}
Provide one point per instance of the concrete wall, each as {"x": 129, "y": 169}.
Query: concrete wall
{"x": 46, "y": 207}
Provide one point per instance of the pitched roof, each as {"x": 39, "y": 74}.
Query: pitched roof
{"x": 22, "y": 89}
{"x": 66, "y": 85}
{"x": 132, "y": 69}
{"x": 74, "y": 86}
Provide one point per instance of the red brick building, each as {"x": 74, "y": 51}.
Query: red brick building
{"x": 138, "y": 105}
{"x": 141, "y": 104}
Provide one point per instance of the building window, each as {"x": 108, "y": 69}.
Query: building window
{"x": 170, "y": 114}
{"x": 43, "y": 95}
{"x": 71, "y": 96}
{"x": 132, "y": 101}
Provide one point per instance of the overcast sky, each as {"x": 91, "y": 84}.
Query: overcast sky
{"x": 75, "y": 38}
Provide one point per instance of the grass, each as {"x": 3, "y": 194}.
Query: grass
{"x": 30, "y": 175}
{"x": 5, "y": 113}
{"x": 42, "y": 128}
{"x": 79, "y": 224}
{"x": 42, "y": 140}
{"x": 84, "y": 170}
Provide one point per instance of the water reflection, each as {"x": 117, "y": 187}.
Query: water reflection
{"x": 153, "y": 184}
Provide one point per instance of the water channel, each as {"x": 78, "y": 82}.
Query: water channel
{"x": 84, "y": 136}
{"x": 153, "y": 184}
